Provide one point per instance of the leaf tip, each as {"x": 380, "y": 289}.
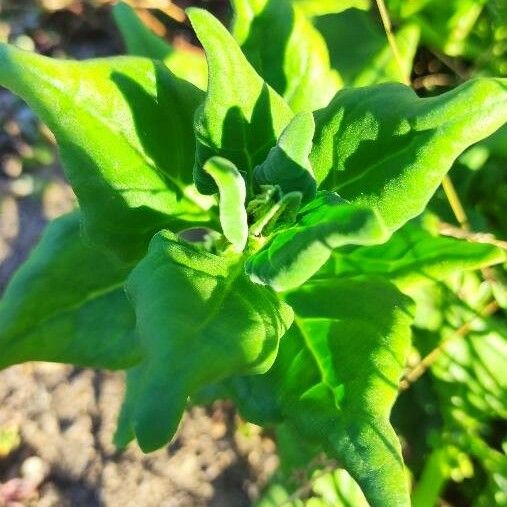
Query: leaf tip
{"x": 197, "y": 16}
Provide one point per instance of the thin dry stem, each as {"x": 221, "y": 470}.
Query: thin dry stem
{"x": 447, "y": 184}
{"x": 455, "y": 203}
{"x": 152, "y": 22}
{"x": 426, "y": 362}
{"x": 477, "y": 237}
{"x": 386, "y": 21}
{"x": 174, "y": 12}
{"x": 432, "y": 80}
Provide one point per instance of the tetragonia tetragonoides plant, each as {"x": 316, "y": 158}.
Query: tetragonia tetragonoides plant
{"x": 222, "y": 234}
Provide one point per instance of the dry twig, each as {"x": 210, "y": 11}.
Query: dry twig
{"x": 426, "y": 362}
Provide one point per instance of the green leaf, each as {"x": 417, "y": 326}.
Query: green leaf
{"x": 294, "y": 254}
{"x": 231, "y": 185}
{"x": 369, "y": 58}
{"x": 287, "y": 51}
{"x": 187, "y": 300}
{"x": 282, "y": 213}
{"x": 413, "y": 256}
{"x": 336, "y": 378}
{"x": 242, "y": 116}
{"x": 124, "y": 130}
{"x": 287, "y": 164}
{"x": 277, "y": 494}
{"x": 140, "y": 41}
{"x": 393, "y": 159}
{"x": 322, "y": 7}
{"x": 66, "y": 304}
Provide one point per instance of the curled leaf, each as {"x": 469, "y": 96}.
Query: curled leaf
{"x": 231, "y": 186}
{"x": 187, "y": 300}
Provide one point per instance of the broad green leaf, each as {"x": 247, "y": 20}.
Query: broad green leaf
{"x": 293, "y": 255}
{"x": 242, "y": 116}
{"x": 322, "y": 7}
{"x": 231, "y": 186}
{"x": 385, "y": 148}
{"x": 200, "y": 320}
{"x": 287, "y": 164}
{"x": 141, "y": 41}
{"x": 295, "y": 455}
{"x": 336, "y": 378}
{"x": 497, "y": 143}
{"x": 124, "y": 130}
{"x": 66, "y": 304}
{"x": 368, "y": 59}
{"x": 287, "y": 51}
{"x": 413, "y": 256}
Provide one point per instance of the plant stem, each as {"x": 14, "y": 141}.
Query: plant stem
{"x": 450, "y": 191}
{"x": 386, "y": 21}
{"x": 455, "y": 203}
{"x": 420, "y": 368}
{"x": 477, "y": 237}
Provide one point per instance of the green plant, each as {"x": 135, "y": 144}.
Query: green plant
{"x": 258, "y": 240}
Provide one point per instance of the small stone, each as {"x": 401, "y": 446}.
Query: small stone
{"x": 23, "y": 186}
{"x": 35, "y": 470}
{"x": 12, "y": 166}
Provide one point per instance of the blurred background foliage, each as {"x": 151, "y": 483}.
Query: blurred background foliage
{"x": 451, "y": 414}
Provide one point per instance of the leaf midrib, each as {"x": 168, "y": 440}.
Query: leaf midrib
{"x": 141, "y": 154}
{"x": 23, "y": 334}
{"x": 409, "y": 147}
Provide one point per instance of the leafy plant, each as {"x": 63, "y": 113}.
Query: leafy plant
{"x": 260, "y": 239}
